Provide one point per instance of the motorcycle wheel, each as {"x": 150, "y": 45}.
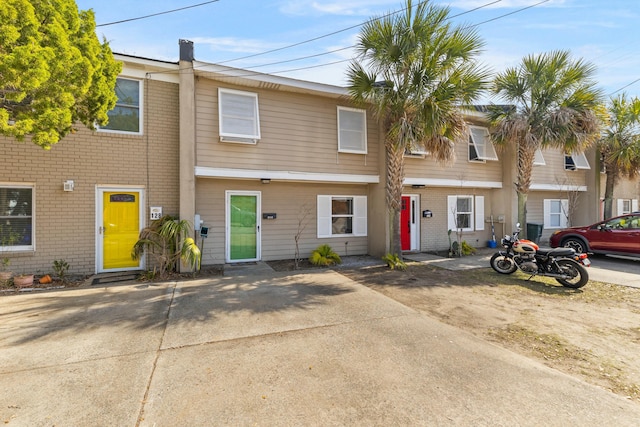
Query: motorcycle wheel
{"x": 579, "y": 274}
{"x": 503, "y": 264}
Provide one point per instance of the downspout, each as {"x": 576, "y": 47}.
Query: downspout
{"x": 187, "y": 135}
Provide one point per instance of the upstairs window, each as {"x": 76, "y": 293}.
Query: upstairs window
{"x": 126, "y": 116}
{"x": 538, "y": 159}
{"x": 576, "y": 161}
{"x": 16, "y": 218}
{"x": 480, "y": 145}
{"x": 416, "y": 150}
{"x": 352, "y": 130}
{"x": 238, "y": 116}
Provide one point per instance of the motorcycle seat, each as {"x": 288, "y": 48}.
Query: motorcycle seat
{"x": 558, "y": 252}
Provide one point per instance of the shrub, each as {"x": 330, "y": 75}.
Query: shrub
{"x": 324, "y": 256}
{"x": 467, "y": 249}
{"x": 166, "y": 241}
{"x": 60, "y": 267}
{"x": 394, "y": 262}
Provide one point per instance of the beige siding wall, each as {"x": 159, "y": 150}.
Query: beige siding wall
{"x": 298, "y": 133}
{"x": 433, "y": 231}
{"x": 553, "y": 172}
{"x": 625, "y": 189}
{"x": 460, "y": 170}
{"x": 296, "y": 207}
{"x": 535, "y": 209}
{"x": 65, "y": 222}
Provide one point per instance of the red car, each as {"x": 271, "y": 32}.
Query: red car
{"x": 614, "y": 236}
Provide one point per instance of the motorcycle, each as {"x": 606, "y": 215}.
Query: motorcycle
{"x": 563, "y": 264}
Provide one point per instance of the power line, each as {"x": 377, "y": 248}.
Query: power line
{"x": 347, "y": 29}
{"x": 251, "y": 74}
{"x": 156, "y": 14}
{"x": 510, "y": 13}
{"x": 347, "y": 60}
{"x": 625, "y": 86}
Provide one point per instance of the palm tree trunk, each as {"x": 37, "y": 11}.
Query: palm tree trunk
{"x": 526, "y": 155}
{"x": 522, "y": 209}
{"x": 395, "y": 178}
{"x": 609, "y": 185}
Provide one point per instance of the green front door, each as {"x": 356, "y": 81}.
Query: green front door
{"x": 243, "y": 225}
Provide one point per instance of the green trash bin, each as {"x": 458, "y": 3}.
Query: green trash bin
{"x": 534, "y": 232}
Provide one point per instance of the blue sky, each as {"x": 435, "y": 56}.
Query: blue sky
{"x": 605, "y": 33}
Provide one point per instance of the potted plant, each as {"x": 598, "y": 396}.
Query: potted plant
{"x": 23, "y": 280}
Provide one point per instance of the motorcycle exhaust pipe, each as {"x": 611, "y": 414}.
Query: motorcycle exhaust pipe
{"x": 558, "y": 276}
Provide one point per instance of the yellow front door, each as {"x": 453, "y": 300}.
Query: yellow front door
{"x": 120, "y": 229}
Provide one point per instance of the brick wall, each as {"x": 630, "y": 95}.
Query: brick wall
{"x": 65, "y": 222}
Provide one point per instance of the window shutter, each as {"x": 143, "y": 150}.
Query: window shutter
{"x": 620, "y": 206}
{"x": 479, "y": 213}
{"x": 565, "y": 213}
{"x": 547, "y": 213}
{"x": 634, "y": 205}
{"x": 238, "y": 114}
{"x": 452, "y": 206}
{"x": 360, "y": 215}
{"x": 352, "y": 131}
{"x": 482, "y": 142}
{"x": 324, "y": 216}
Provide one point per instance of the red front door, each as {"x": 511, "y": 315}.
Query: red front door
{"x": 405, "y": 224}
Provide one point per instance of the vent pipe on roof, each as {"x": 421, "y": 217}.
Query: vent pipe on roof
{"x": 186, "y": 50}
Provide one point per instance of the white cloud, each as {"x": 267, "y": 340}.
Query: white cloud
{"x": 365, "y": 8}
{"x": 232, "y": 44}
{"x": 500, "y": 4}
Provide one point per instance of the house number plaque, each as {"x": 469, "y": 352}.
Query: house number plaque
{"x": 155, "y": 212}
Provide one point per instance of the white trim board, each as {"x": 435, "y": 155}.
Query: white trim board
{"x": 434, "y": 182}
{"x": 207, "y": 172}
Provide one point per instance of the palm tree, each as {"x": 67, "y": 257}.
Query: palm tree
{"x": 620, "y": 145}
{"x": 554, "y": 104}
{"x": 166, "y": 241}
{"x": 415, "y": 70}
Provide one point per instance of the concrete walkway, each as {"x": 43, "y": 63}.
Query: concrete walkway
{"x": 276, "y": 349}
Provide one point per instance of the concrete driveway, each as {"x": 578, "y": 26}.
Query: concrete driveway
{"x": 276, "y": 349}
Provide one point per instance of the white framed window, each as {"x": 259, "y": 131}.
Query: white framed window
{"x": 465, "y": 213}
{"x": 414, "y": 150}
{"x": 538, "y": 159}
{"x": 352, "y": 130}
{"x": 576, "y": 161}
{"x": 480, "y": 146}
{"x": 16, "y": 217}
{"x": 238, "y": 116}
{"x": 626, "y": 206}
{"x": 126, "y": 116}
{"x": 556, "y": 213}
{"x": 342, "y": 216}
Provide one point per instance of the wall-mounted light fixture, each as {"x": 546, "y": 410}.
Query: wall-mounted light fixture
{"x": 68, "y": 185}
{"x": 265, "y": 180}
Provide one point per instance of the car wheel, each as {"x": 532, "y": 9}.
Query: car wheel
{"x": 576, "y": 244}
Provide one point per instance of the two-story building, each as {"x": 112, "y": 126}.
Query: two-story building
{"x": 266, "y": 159}
{"x": 268, "y": 167}
{"x": 85, "y": 200}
